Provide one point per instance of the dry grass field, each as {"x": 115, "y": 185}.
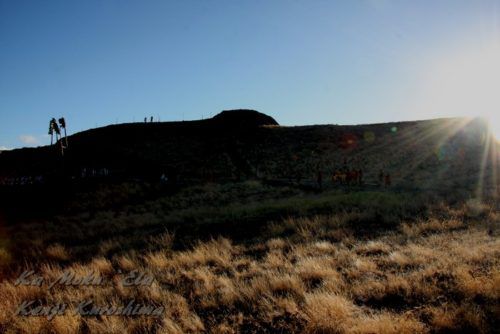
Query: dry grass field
{"x": 330, "y": 262}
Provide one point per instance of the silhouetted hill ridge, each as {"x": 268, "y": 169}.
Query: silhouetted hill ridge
{"x": 246, "y": 143}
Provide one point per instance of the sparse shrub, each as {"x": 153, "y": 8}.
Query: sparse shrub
{"x": 57, "y": 252}
{"x": 328, "y": 313}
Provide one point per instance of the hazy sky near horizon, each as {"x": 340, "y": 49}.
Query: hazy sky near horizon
{"x": 98, "y": 62}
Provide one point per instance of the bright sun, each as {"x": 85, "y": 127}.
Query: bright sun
{"x": 465, "y": 83}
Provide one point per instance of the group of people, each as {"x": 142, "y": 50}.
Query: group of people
{"x": 352, "y": 176}
{"x": 347, "y": 176}
{"x": 344, "y": 176}
{"x": 21, "y": 180}
{"x": 87, "y": 172}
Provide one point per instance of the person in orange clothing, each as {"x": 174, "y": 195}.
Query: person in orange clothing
{"x": 388, "y": 180}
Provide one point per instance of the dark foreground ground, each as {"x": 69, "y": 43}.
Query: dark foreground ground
{"x": 252, "y": 257}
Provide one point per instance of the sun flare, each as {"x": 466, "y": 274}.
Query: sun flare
{"x": 494, "y": 123}
{"x": 465, "y": 83}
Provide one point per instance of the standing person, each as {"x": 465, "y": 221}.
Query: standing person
{"x": 360, "y": 176}
{"x": 381, "y": 177}
{"x": 298, "y": 177}
{"x": 354, "y": 176}
{"x": 348, "y": 176}
{"x": 338, "y": 176}
{"x": 320, "y": 179}
{"x": 387, "y": 180}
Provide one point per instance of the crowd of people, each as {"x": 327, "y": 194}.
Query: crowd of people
{"x": 347, "y": 176}
{"x": 87, "y": 172}
{"x": 21, "y": 180}
{"x": 26, "y": 180}
{"x": 352, "y": 176}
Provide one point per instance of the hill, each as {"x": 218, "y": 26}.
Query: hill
{"x": 247, "y": 144}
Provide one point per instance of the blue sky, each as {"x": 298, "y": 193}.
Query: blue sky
{"x": 302, "y": 62}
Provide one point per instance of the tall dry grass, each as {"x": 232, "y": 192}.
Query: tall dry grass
{"x": 439, "y": 274}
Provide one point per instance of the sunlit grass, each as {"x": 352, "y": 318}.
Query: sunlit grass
{"x": 332, "y": 262}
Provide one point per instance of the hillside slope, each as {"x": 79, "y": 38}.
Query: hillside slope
{"x": 243, "y": 143}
